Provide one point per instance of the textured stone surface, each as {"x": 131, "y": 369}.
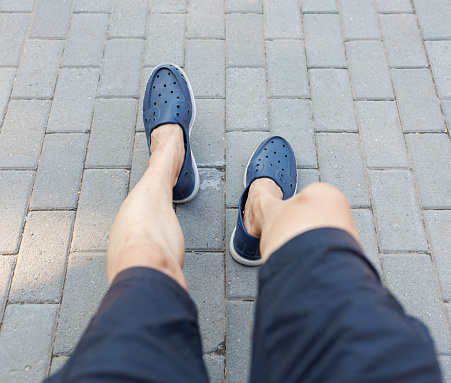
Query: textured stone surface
{"x": 319, "y": 6}
{"x": 57, "y": 363}
{"x": 17, "y": 6}
{"x": 215, "y": 365}
{"x": 439, "y": 53}
{"x": 7, "y": 76}
{"x": 139, "y": 117}
{"x": 446, "y": 107}
{"x": 283, "y": 19}
{"x": 394, "y": 6}
{"x": 244, "y": 6}
{"x": 168, "y": 6}
{"x": 7, "y": 264}
{"x": 95, "y": 6}
{"x": 359, "y": 19}
{"x": 202, "y": 10}
{"x": 445, "y": 366}
{"x": 13, "y": 29}
{"x": 51, "y": 19}
{"x": 306, "y": 177}
{"x": 128, "y": 19}
{"x": 434, "y": 16}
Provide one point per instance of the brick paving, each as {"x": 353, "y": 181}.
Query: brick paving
{"x": 361, "y": 88}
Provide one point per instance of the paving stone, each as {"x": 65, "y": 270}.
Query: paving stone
{"x": 38, "y": 69}
{"x": 59, "y": 173}
{"x": 22, "y": 133}
{"x": 215, "y": 368}
{"x": 85, "y": 40}
{"x": 13, "y": 29}
{"x": 205, "y": 278}
{"x": 411, "y": 279}
{"x": 7, "y": 264}
{"x": 73, "y": 102}
{"x": 434, "y": 17}
{"x": 306, "y": 177}
{"x": 206, "y": 19}
{"x": 58, "y": 363}
{"x": 292, "y": 119}
{"x": 333, "y": 108}
{"x": 41, "y": 263}
{"x": 51, "y": 19}
{"x": 439, "y": 53}
{"x": 341, "y": 165}
{"x": 244, "y": 6}
{"x": 140, "y": 159}
{"x": 395, "y": 206}
{"x": 95, "y": 6}
{"x": 246, "y": 103}
{"x": 240, "y": 146}
{"x": 207, "y": 136}
{"x": 417, "y": 101}
{"x": 287, "y": 69}
{"x": 128, "y": 19}
{"x": 202, "y": 220}
{"x": 7, "y": 76}
{"x": 139, "y": 117}
{"x": 359, "y": 20}
{"x": 446, "y": 106}
{"x": 394, "y": 6}
{"x": 283, "y": 19}
{"x": 205, "y": 61}
{"x": 369, "y": 71}
{"x": 85, "y": 286}
{"x": 124, "y": 57}
{"x": 15, "y": 190}
{"x": 324, "y": 42}
{"x": 379, "y": 125}
{"x": 445, "y": 366}
{"x": 17, "y": 6}
{"x": 102, "y": 193}
{"x": 168, "y": 6}
{"x": 245, "y": 40}
{"x": 166, "y": 40}
{"x": 240, "y": 318}
{"x": 112, "y": 134}
{"x": 319, "y": 6}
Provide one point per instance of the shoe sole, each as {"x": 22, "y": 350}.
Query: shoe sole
{"x": 240, "y": 259}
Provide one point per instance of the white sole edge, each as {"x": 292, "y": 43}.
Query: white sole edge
{"x": 239, "y": 258}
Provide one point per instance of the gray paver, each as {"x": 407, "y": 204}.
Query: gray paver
{"x": 7, "y": 76}
{"x": 205, "y": 278}
{"x": 202, "y": 220}
{"x": 445, "y": 366}
{"x": 121, "y": 73}
{"x": 142, "y": 89}
{"x": 215, "y": 368}
{"x": 38, "y": 69}
{"x": 73, "y": 101}
{"x": 244, "y": 6}
{"x": 341, "y": 165}
{"x": 370, "y": 76}
{"x": 417, "y": 101}
{"x": 168, "y": 6}
{"x": 85, "y": 286}
{"x": 112, "y": 134}
{"x": 13, "y": 29}
{"x": 245, "y": 40}
{"x": 319, "y": 6}
{"x": 101, "y": 196}
{"x": 59, "y": 172}
{"x": 439, "y": 53}
{"x": 333, "y": 108}
{"x": 128, "y": 19}
{"x": 86, "y": 40}
{"x": 324, "y": 42}
{"x": 51, "y": 19}
{"x": 394, "y": 6}
{"x": 246, "y": 103}
{"x": 434, "y": 17}
{"x": 41, "y": 263}
{"x": 287, "y": 69}
{"x": 292, "y": 119}
{"x": 140, "y": 159}
{"x": 205, "y": 61}
{"x": 379, "y": 125}
{"x": 359, "y": 19}
{"x": 395, "y": 207}
{"x": 446, "y": 106}
{"x": 17, "y": 6}
{"x": 95, "y": 6}
{"x": 22, "y": 133}
{"x": 7, "y": 264}
{"x": 166, "y": 40}
{"x": 58, "y": 363}
{"x": 410, "y": 277}
{"x": 202, "y": 10}
{"x": 26, "y": 345}
{"x": 283, "y": 19}
{"x": 306, "y": 177}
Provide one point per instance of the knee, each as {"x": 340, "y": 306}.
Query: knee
{"x": 323, "y": 193}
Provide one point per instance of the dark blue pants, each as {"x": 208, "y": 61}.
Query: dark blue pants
{"x": 322, "y": 316}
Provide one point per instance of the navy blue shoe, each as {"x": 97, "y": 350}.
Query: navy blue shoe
{"x": 169, "y": 99}
{"x": 274, "y": 159}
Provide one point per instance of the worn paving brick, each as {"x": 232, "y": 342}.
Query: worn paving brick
{"x": 245, "y": 40}
{"x": 13, "y": 29}
{"x": 51, "y": 19}
{"x": 26, "y": 345}
{"x": 445, "y": 366}
{"x": 205, "y": 278}
{"x": 394, "y": 6}
{"x": 41, "y": 263}
{"x": 85, "y": 40}
{"x": 112, "y": 134}
{"x": 73, "y": 102}
{"x": 124, "y": 57}
{"x": 7, "y": 76}
{"x": 95, "y": 6}
{"x": 359, "y": 19}
{"x": 202, "y": 10}
{"x": 379, "y": 125}
{"x": 411, "y": 279}
{"x": 59, "y": 172}
{"x": 102, "y": 193}
{"x": 306, "y": 177}
{"x": 287, "y": 69}
{"x": 85, "y": 286}
{"x": 205, "y": 61}
{"x": 439, "y": 53}
{"x": 319, "y": 6}
{"x": 417, "y": 101}
{"x": 17, "y": 6}
{"x": 140, "y": 159}
{"x": 333, "y": 108}
{"x": 434, "y": 17}
{"x": 283, "y": 19}
{"x": 292, "y": 119}
{"x": 168, "y": 6}
{"x": 38, "y": 69}
{"x": 7, "y": 264}
{"x": 324, "y": 41}
{"x": 215, "y": 368}
{"x": 202, "y": 220}
{"x": 22, "y": 133}
{"x": 341, "y": 165}
{"x": 57, "y": 363}
{"x": 369, "y": 71}
{"x": 142, "y": 89}
{"x": 395, "y": 206}
{"x": 166, "y": 40}
{"x": 244, "y": 6}
{"x": 246, "y": 102}
{"x": 446, "y": 106}
{"x": 128, "y": 19}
